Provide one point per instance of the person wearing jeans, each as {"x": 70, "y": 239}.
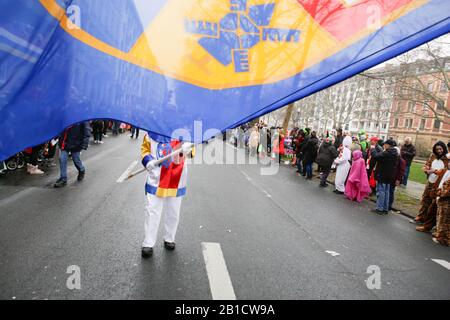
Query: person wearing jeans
{"x": 383, "y": 193}
{"x": 386, "y": 163}
{"x": 72, "y": 141}
{"x": 63, "y": 157}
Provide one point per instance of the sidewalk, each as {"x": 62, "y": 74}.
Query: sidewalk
{"x": 407, "y": 200}
{"x": 413, "y": 189}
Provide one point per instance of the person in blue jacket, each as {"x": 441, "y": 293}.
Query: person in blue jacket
{"x": 74, "y": 139}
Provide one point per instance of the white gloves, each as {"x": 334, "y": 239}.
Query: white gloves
{"x": 186, "y": 146}
{"x": 151, "y": 165}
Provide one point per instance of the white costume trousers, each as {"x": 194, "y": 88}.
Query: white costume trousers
{"x": 155, "y": 207}
{"x": 342, "y": 169}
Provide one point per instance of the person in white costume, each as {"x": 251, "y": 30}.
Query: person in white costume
{"x": 343, "y": 165}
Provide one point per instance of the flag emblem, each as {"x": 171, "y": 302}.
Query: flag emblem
{"x": 230, "y": 40}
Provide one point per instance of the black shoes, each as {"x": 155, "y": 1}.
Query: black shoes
{"x": 81, "y": 175}
{"x": 337, "y": 191}
{"x": 147, "y": 252}
{"x": 60, "y": 183}
{"x": 379, "y": 211}
{"x": 169, "y": 245}
{"x": 323, "y": 185}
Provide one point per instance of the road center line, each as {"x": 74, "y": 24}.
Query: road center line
{"x": 216, "y": 268}
{"x": 443, "y": 263}
{"x": 127, "y": 172}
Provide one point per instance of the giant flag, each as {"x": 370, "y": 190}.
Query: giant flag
{"x": 163, "y": 65}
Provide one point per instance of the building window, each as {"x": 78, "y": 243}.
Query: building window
{"x": 396, "y": 123}
{"x": 409, "y": 123}
{"x": 384, "y": 126}
{"x": 440, "y": 105}
{"x": 437, "y": 125}
{"x": 447, "y": 66}
{"x": 422, "y": 124}
{"x": 443, "y": 86}
{"x": 430, "y": 86}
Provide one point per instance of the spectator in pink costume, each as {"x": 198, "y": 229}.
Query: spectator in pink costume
{"x": 357, "y": 187}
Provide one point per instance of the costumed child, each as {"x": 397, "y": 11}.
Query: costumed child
{"x": 164, "y": 189}
{"x": 357, "y": 187}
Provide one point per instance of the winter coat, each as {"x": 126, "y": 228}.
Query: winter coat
{"x": 338, "y": 141}
{"x": 400, "y": 169}
{"x": 75, "y": 138}
{"x": 408, "y": 152}
{"x": 98, "y": 124}
{"x": 386, "y": 163}
{"x": 327, "y": 154}
{"x": 298, "y": 146}
{"x": 310, "y": 150}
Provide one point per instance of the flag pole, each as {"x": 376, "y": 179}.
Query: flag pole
{"x": 161, "y": 160}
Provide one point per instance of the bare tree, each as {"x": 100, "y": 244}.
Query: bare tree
{"x": 341, "y": 101}
{"x": 422, "y": 82}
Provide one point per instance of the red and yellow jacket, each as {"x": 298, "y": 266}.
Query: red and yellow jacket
{"x": 169, "y": 178}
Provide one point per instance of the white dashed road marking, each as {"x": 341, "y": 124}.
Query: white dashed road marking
{"x": 216, "y": 268}
{"x": 333, "y": 253}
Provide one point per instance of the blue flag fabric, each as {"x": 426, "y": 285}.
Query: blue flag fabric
{"x": 164, "y": 65}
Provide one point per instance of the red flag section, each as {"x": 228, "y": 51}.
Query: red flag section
{"x": 343, "y": 18}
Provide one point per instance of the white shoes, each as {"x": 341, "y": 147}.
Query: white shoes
{"x": 34, "y": 170}
{"x": 101, "y": 142}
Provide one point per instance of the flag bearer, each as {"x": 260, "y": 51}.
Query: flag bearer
{"x": 164, "y": 189}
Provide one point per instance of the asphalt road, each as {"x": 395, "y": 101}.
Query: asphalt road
{"x": 274, "y": 232}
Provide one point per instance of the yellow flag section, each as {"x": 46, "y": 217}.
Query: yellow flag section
{"x": 180, "y": 53}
